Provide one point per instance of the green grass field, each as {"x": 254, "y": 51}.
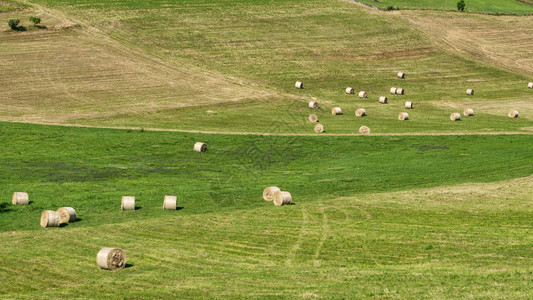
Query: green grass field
{"x": 427, "y": 208}
{"x": 512, "y": 7}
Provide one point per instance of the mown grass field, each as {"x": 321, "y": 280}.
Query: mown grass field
{"x": 348, "y": 235}
{"x": 510, "y": 7}
{"x": 405, "y": 216}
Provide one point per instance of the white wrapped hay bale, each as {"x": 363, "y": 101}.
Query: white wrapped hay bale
{"x": 383, "y": 100}
{"x": 360, "y": 112}
{"x": 127, "y": 203}
{"x": 408, "y": 104}
{"x": 468, "y": 112}
{"x": 313, "y": 118}
{"x": 49, "y": 218}
{"x": 66, "y": 214}
{"x": 362, "y": 94}
{"x": 401, "y": 75}
{"x": 364, "y": 130}
{"x": 111, "y": 259}
{"x": 336, "y": 111}
{"x": 299, "y": 85}
{"x": 403, "y": 116}
{"x": 319, "y": 128}
{"x": 470, "y": 92}
{"x": 455, "y": 117}
{"x": 20, "y": 198}
{"x": 393, "y": 90}
{"x": 200, "y": 147}
{"x": 400, "y": 91}
{"x": 513, "y": 114}
{"x": 170, "y": 203}
{"x": 282, "y": 198}
{"x": 349, "y": 91}
{"x": 530, "y": 85}
{"x": 313, "y": 105}
{"x": 270, "y": 192}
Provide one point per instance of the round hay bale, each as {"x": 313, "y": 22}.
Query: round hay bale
{"x": 282, "y": 198}
{"x": 49, "y": 218}
{"x": 455, "y": 117}
{"x": 400, "y": 91}
{"x": 127, "y": 203}
{"x": 470, "y": 92}
{"x": 299, "y": 85}
{"x": 20, "y": 198}
{"x": 403, "y": 116}
{"x": 313, "y": 105}
{"x": 383, "y": 100}
{"x": 468, "y": 112}
{"x": 313, "y": 118}
{"x": 408, "y": 104}
{"x": 350, "y": 91}
{"x": 360, "y": 112}
{"x": 111, "y": 258}
{"x": 401, "y": 75}
{"x": 336, "y": 111}
{"x": 513, "y": 114}
{"x": 319, "y": 128}
{"x": 393, "y": 90}
{"x": 66, "y": 214}
{"x": 270, "y": 192}
{"x": 530, "y": 85}
{"x": 200, "y": 147}
{"x": 170, "y": 203}
{"x": 364, "y": 130}
{"x": 362, "y": 94}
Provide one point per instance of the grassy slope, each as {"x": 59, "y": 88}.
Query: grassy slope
{"x": 485, "y": 6}
{"x": 329, "y": 45}
{"x": 466, "y": 241}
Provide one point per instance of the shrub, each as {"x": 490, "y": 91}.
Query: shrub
{"x": 35, "y": 20}
{"x": 461, "y": 5}
{"x": 14, "y": 23}
{"x": 392, "y": 8}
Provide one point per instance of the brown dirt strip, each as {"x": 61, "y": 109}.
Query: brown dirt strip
{"x": 288, "y": 134}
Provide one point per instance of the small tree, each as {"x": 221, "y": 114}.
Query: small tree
{"x": 35, "y": 20}
{"x": 14, "y": 23}
{"x": 461, "y": 5}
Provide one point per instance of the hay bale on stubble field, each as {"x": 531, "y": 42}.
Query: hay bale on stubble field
{"x": 513, "y": 114}
{"x": 403, "y": 116}
{"x": 349, "y": 91}
{"x": 20, "y": 198}
{"x": 364, "y": 130}
{"x": 408, "y": 104}
{"x": 336, "y": 111}
{"x": 468, "y": 112}
{"x": 383, "y": 100}
{"x": 470, "y": 92}
{"x": 360, "y": 112}
{"x": 282, "y": 198}
{"x": 66, "y": 214}
{"x": 200, "y": 147}
{"x": 270, "y": 192}
{"x": 313, "y": 118}
{"x": 530, "y": 85}
{"x": 455, "y": 117}
{"x": 111, "y": 258}
{"x": 401, "y": 75}
{"x": 319, "y": 128}
{"x": 362, "y": 94}
{"x": 313, "y": 105}
{"x": 49, "y": 218}
{"x": 392, "y": 90}
{"x": 170, "y": 203}
{"x": 400, "y": 91}
{"x": 127, "y": 203}
{"x": 299, "y": 85}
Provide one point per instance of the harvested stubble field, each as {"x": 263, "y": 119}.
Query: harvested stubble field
{"x": 402, "y": 216}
